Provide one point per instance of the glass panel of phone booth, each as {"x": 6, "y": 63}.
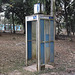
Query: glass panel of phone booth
{"x": 52, "y": 41}
{"x": 42, "y": 41}
{"x": 47, "y": 43}
{"x": 33, "y": 39}
{"x": 29, "y": 39}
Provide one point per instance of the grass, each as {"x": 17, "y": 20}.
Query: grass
{"x": 17, "y": 65}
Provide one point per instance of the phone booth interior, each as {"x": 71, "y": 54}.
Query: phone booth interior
{"x": 44, "y": 39}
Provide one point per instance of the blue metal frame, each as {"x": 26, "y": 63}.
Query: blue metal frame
{"x": 52, "y": 41}
{"x": 47, "y": 39}
{"x": 29, "y": 39}
{"x": 42, "y": 43}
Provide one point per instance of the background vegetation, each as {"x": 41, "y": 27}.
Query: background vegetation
{"x": 64, "y": 12}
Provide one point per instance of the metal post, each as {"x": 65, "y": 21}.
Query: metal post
{"x": 52, "y": 7}
{"x": 26, "y": 43}
{"x": 39, "y": 44}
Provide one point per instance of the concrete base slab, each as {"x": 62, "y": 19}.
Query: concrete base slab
{"x": 49, "y": 66}
{"x": 33, "y": 68}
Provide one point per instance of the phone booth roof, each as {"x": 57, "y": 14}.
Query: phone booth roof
{"x": 38, "y": 16}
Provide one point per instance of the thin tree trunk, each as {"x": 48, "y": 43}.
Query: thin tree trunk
{"x": 4, "y": 25}
{"x": 24, "y": 27}
{"x": 13, "y": 22}
{"x": 58, "y": 30}
{"x": 73, "y": 32}
{"x": 11, "y": 27}
{"x": 66, "y": 20}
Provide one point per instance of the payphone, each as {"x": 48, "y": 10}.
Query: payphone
{"x": 44, "y": 39}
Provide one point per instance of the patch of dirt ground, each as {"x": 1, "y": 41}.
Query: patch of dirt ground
{"x": 12, "y": 56}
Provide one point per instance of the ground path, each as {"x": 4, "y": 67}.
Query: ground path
{"x": 12, "y": 56}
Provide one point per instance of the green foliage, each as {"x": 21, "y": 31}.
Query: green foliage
{"x": 0, "y": 2}
{"x": 47, "y": 8}
{"x": 65, "y": 9}
{"x": 1, "y": 10}
{"x": 20, "y": 9}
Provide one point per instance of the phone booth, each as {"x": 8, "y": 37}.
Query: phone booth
{"x": 44, "y": 39}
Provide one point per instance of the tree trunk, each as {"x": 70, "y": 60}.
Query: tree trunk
{"x": 58, "y": 30}
{"x": 73, "y": 32}
{"x": 11, "y": 27}
{"x": 4, "y": 27}
{"x": 24, "y": 27}
{"x": 13, "y": 22}
{"x": 66, "y": 20}
{"x": 24, "y": 24}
